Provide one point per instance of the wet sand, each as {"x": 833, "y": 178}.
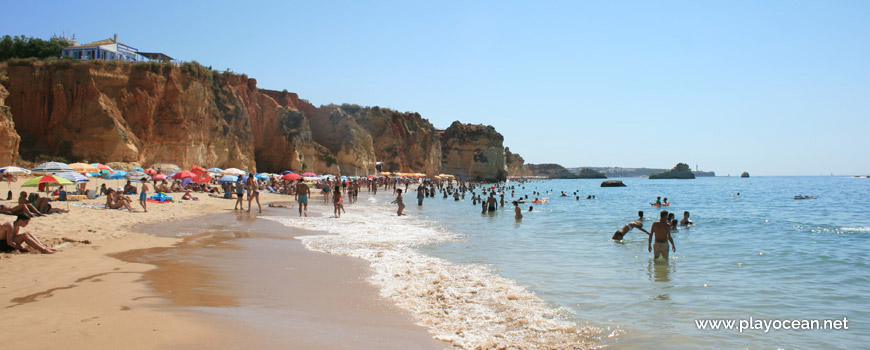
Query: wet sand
{"x": 252, "y": 275}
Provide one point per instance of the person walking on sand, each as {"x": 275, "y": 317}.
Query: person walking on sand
{"x": 399, "y": 202}
{"x": 302, "y": 194}
{"x": 240, "y": 192}
{"x": 143, "y": 194}
{"x": 254, "y": 194}
{"x": 620, "y": 233}
{"x": 661, "y": 232}
{"x": 337, "y": 201}
{"x": 9, "y": 236}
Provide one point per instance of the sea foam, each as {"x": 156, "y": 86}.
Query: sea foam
{"x": 465, "y": 305}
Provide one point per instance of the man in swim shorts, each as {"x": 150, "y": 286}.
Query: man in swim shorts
{"x": 302, "y": 193}
{"x": 661, "y": 232}
{"x": 143, "y": 194}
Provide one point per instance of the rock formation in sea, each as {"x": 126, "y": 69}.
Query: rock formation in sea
{"x": 148, "y": 112}
{"x": 680, "y": 171}
{"x": 473, "y": 151}
{"x": 745, "y": 174}
{"x": 612, "y": 183}
{"x": 9, "y": 138}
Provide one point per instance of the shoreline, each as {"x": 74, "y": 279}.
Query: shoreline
{"x": 82, "y": 297}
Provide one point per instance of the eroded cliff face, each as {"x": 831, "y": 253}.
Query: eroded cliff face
{"x": 129, "y": 113}
{"x": 473, "y": 151}
{"x": 350, "y": 144}
{"x": 148, "y": 113}
{"x": 404, "y": 142}
{"x": 515, "y": 163}
{"x": 9, "y": 138}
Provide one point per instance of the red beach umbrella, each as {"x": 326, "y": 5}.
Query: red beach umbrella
{"x": 309, "y": 174}
{"x": 197, "y": 169}
{"x": 183, "y": 175}
{"x": 151, "y": 172}
{"x": 159, "y": 176}
{"x": 291, "y": 177}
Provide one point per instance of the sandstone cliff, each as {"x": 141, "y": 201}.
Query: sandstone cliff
{"x": 147, "y": 113}
{"x": 404, "y": 142}
{"x": 473, "y": 151}
{"x": 9, "y": 138}
{"x": 515, "y": 163}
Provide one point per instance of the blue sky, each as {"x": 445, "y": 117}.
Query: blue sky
{"x": 769, "y": 87}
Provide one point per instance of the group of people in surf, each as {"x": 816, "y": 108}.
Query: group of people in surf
{"x": 660, "y": 231}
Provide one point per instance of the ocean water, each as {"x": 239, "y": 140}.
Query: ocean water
{"x": 555, "y": 280}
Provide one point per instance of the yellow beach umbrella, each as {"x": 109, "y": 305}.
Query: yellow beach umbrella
{"x": 84, "y": 168}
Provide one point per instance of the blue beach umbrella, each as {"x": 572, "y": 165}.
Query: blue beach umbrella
{"x": 286, "y": 172}
{"x": 215, "y": 170}
{"x": 137, "y": 169}
{"x": 229, "y": 178}
{"x": 117, "y": 175}
{"x": 262, "y": 176}
{"x": 343, "y": 178}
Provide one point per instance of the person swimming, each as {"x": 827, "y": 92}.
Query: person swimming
{"x": 620, "y": 233}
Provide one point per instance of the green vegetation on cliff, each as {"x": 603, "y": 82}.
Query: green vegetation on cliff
{"x": 25, "y": 47}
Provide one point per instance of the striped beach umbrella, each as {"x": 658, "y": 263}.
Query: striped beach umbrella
{"x": 52, "y": 168}
{"x": 73, "y": 176}
{"x": 14, "y": 170}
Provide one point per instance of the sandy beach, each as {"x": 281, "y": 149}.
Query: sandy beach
{"x": 137, "y": 284}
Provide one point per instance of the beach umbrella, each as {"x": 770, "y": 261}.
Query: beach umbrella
{"x": 291, "y": 177}
{"x": 83, "y": 168}
{"x": 137, "y": 169}
{"x": 136, "y": 175}
{"x": 215, "y": 170}
{"x": 94, "y": 174}
{"x": 105, "y": 169}
{"x": 343, "y": 178}
{"x": 197, "y": 169}
{"x": 233, "y": 171}
{"x": 14, "y": 170}
{"x": 309, "y": 174}
{"x": 286, "y": 172}
{"x": 52, "y": 168}
{"x": 117, "y": 175}
{"x": 201, "y": 177}
{"x": 262, "y": 176}
{"x": 229, "y": 178}
{"x": 36, "y": 181}
{"x": 159, "y": 177}
{"x": 73, "y": 176}
{"x": 183, "y": 175}
{"x": 150, "y": 171}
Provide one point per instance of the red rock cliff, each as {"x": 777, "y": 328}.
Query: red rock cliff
{"x": 8, "y": 136}
{"x": 189, "y": 115}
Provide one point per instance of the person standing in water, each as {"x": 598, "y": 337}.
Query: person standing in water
{"x": 661, "y": 232}
{"x": 420, "y": 195}
{"x": 518, "y": 213}
{"x": 399, "y": 202}
{"x": 685, "y": 221}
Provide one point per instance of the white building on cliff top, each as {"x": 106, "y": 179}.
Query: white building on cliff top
{"x": 110, "y": 49}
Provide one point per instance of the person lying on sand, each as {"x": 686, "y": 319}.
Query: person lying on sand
{"x": 30, "y": 209}
{"x": 10, "y": 237}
